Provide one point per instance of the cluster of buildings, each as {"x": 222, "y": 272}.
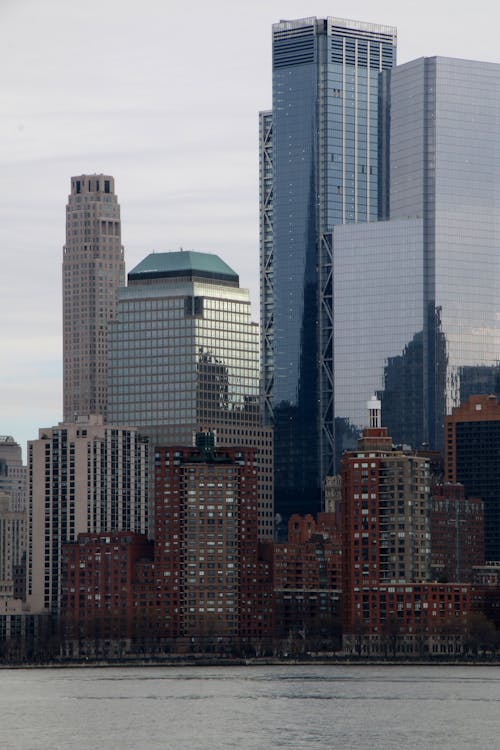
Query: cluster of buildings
{"x": 218, "y": 482}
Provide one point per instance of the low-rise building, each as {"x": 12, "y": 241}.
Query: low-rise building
{"x": 101, "y": 587}
{"x": 457, "y": 533}
{"x": 308, "y": 580}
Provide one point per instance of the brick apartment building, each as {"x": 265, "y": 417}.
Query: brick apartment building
{"x": 206, "y": 542}
{"x": 389, "y": 604}
{"x": 308, "y": 579}
{"x": 202, "y": 582}
{"x": 100, "y": 574}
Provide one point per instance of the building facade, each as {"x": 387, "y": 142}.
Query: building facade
{"x": 93, "y": 269}
{"x": 184, "y": 357}
{"x": 308, "y": 581}
{"x": 100, "y": 580}
{"x": 320, "y": 167}
{"x": 12, "y": 472}
{"x": 12, "y": 549}
{"x": 414, "y": 619}
{"x": 12, "y": 520}
{"x": 205, "y": 583}
{"x": 390, "y": 606}
{"x": 457, "y": 534}
{"x": 472, "y": 445}
{"x": 206, "y": 544}
{"x": 386, "y": 495}
{"x": 417, "y": 312}
{"x": 84, "y": 476}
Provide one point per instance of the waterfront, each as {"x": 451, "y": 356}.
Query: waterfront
{"x": 250, "y": 708}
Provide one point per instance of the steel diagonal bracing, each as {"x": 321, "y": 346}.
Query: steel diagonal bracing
{"x": 266, "y": 260}
{"x": 327, "y": 435}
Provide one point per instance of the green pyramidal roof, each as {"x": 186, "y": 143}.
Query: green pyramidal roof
{"x": 183, "y": 263}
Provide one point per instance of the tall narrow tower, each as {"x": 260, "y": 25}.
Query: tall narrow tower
{"x": 93, "y": 269}
{"x": 320, "y": 166}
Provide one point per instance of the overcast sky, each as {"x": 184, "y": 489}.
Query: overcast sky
{"x": 164, "y": 96}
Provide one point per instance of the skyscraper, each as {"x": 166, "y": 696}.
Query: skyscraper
{"x": 320, "y": 167}
{"x": 471, "y": 458}
{"x": 93, "y": 269}
{"x": 389, "y": 605}
{"x": 83, "y": 476}
{"x": 417, "y": 313}
{"x": 184, "y": 358}
{"x": 206, "y": 539}
{"x": 387, "y": 495}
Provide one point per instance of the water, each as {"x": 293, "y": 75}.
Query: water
{"x": 251, "y": 708}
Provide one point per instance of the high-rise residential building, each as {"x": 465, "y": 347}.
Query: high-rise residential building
{"x": 205, "y": 582}
{"x": 472, "y": 447}
{"x": 12, "y": 473}
{"x": 389, "y": 605}
{"x": 184, "y": 357}
{"x": 83, "y": 476}
{"x": 93, "y": 269}
{"x": 206, "y": 543}
{"x": 320, "y": 166}
{"x": 417, "y": 316}
{"x": 386, "y": 495}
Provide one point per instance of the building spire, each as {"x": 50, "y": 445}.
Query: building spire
{"x": 374, "y": 412}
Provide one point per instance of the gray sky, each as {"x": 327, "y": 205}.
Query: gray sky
{"x": 164, "y": 96}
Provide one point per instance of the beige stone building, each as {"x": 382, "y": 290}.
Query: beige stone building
{"x": 93, "y": 269}
{"x": 12, "y": 546}
{"x": 12, "y": 472}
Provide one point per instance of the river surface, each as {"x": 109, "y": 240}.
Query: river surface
{"x": 251, "y": 708}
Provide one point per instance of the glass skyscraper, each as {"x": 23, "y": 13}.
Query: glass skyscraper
{"x": 417, "y": 297}
{"x": 320, "y": 166}
{"x": 184, "y": 358}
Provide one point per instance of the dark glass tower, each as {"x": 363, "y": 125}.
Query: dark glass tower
{"x": 320, "y": 167}
{"x": 472, "y": 459}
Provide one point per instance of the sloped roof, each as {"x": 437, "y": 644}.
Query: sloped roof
{"x": 183, "y": 263}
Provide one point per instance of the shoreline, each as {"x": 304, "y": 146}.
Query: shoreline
{"x": 203, "y": 661}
